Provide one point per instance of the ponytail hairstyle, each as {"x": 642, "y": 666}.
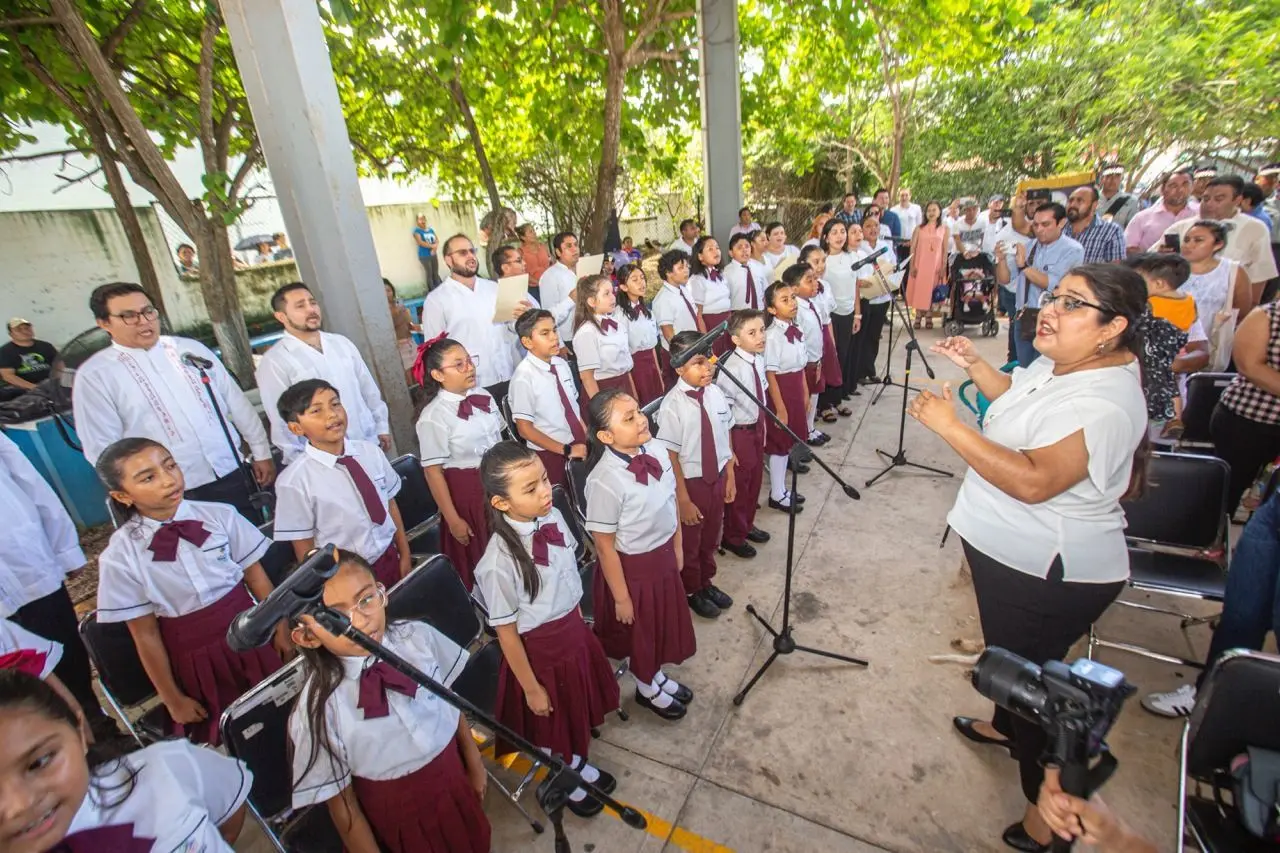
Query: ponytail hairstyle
{"x": 588, "y": 287}
{"x": 495, "y": 476}
{"x": 771, "y": 293}
{"x": 431, "y": 357}
{"x": 108, "y": 469}
{"x": 599, "y": 416}
{"x": 630, "y": 309}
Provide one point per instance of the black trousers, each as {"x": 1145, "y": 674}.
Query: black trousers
{"x": 232, "y": 489}
{"x": 873, "y": 322}
{"x": 842, "y": 331}
{"x": 1038, "y": 619}
{"x": 54, "y": 618}
{"x": 1246, "y": 445}
{"x": 431, "y": 269}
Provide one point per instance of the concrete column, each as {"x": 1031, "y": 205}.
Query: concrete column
{"x": 718, "y": 78}
{"x": 284, "y": 62}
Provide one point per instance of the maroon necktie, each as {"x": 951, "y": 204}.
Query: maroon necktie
{"x": 467, "y": 405}
{"x": 794, "y": 334}
{"x": 164, "y": 544}
{"x": 105, "y": 839}
{"x": 816, "y": 316}
{"x": 544, "y": 537}
{"x": 692, "y": 312}
{"x": 751, "y": 291}
{"x": 575, "y": 424}
{"x": 644, "y": 467}
{"x": 374, "y": 684}
{"x": 608, "y": 325}
{"x": 368, "y": 492}
{"x": 710, "y": 470}
{"x": 713, "y": 274}
{"x": 760, "y": 425}
{"x": 28, "y": 661}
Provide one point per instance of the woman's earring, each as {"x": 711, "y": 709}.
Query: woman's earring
{"x": 1101, "y": 346}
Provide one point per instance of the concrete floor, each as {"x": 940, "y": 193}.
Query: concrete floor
{"x": 824, "y": 756}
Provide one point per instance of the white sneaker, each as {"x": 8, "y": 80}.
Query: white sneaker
{"x": 1175, "y": 703}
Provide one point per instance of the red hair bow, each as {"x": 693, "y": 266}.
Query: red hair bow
{"x": 419, "y": 369}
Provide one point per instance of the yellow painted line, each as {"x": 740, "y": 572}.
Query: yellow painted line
{"x": 655, "y": 826}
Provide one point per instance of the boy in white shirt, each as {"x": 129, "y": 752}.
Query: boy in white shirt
{"x": 543, "y": 398}
{"x": 746, "y": 363}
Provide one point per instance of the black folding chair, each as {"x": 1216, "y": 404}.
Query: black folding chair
{"x": 124, "y": 682}
{"x": 418, "y": 508}
{"x": 1203, "y": 392}
{"x": 255, "y": 729}
{"x": 1237, "y": 708}
{"x": 575, "y": 471}
{"x": 1178, "y": 544}
{"x": 505, "y": 408}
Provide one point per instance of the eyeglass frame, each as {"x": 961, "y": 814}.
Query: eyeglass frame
{"x": 148, "y": 314}
{"x": 1049, "y": 300}
{"x": 379, "y": 592}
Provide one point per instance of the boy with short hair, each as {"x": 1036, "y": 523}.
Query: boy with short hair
{"x": 543, "y": 398}
{"x": 805, "y": 281}
{"x": 694, "y": 421}
{"x": 673, "y": 308}
{"x": 746, "y": 435}
{"x": 339, "y": 491}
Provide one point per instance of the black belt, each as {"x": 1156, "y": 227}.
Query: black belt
{"x": 746, "y": 426}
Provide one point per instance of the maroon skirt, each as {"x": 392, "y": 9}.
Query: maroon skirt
{"x": 386, "y": 569}
{"x": 468, "y": 499}
{"x": 620, "y": 383}
{"x": 569, "y": 663}
{"x": 204, "y": 665}
{"x": 662, "y": 631}
{"x": 814, "y": 378}
{"x": 554, "y": 463}
{"x": 723, "y": 343}
{"x": 432, "y": 810}
{"x": 830, "y": 359}
{"x": 647, "y": 375}
{"x": 777, "y": 442}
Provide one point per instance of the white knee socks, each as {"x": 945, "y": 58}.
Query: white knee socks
{"x": 777, "y": 477}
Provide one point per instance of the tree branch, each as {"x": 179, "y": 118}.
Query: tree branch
{"x": 23, "y": 158}
{"x": 251, "y": 159}
{"x": 664, "y": 55}
{"x": 70, "y": 182}
{"x": 208, "y": 136}
{"x": 14, "y": 23}
{"x": 127, "y": 23}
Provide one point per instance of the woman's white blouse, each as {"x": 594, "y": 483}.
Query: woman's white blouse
{"x": 1084, "y": 524}
{"x": 843, "y": 281}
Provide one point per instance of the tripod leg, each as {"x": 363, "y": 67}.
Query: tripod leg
{"x": 742, "y": 694}
{"x": 938, "y": 471}
{"x": 873, "y": 480}
{"x": 832, "y": 655}
{"x": 751, "y": 611}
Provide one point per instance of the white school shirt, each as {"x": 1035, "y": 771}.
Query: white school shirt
{"x": 414, "y": 732}
{"x": 559, "y": 584}
{"x": 15, "y": 638}
{"x": 338, "y": 362}
{"x": 532, "y": 397}
{"x": 466, "y": 315}
{"x": 554, "y": 288}
{"x": 746, "y": 411}
{"x": 642, "y": 332}
{"x": 680, "y": 426}
{"x": 713, "y": 296}
{"x": 1084, "y": 524}
{"x": 735, "y": 274}
{"x": 669, "y": 309}
{"x": 780, "y": 354}
{"x": 448, "y": 440}
{"x": 642, "y": 517}
{"x": 178, "y": 796}
{"x": 132, "y": 584}
{"x": 39, "y": 544}
{"x": 317, "y": 499}
{"x": 607, "y": 353}
{"x": 122, "y": 392}
{"x": 810, "y": 324}
{"x": 762, "y": 274}
{"x": 843, "y": 281}
{"x": 680, "y": 244}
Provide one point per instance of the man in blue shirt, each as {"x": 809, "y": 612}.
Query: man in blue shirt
{"x": 1052, "y": 256}
{"x": 425, "y": 238}
{"x": 887, "y": 216}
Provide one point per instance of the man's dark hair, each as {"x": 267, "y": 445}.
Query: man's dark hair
{"x": 182, "y": 246}
{"x": 1059, "y": 212}
{"x": 444, "y": 247}
{"x": 1169, "y": 267}
{"x": 297, "y": 398}
{"x": 558, "y": 240}
{"x": 1172, "y": 173}
{"x": 1091, "y": 188}
{"x": 386, "y": 282}
{"x": 1234, "y": 181}
{"x": 848, "y": 196}
{"x": 104, "y": 293}
{"x": 744, "y": 209}
{"x": 529, "y": 319}
{"x": 1254, "y": 194}
{"x": 682, "y": 341}
{"x": 669, "y": 260}
{"x": 684, "y": 223}
{"x": 768, "y": 229}
{"x": 878, "y": 191}
{"x": 282, "y": 293}
{"x": 825, "y": 207}
{"x": 794, "y": 274}
{"x": 502, "y": 255}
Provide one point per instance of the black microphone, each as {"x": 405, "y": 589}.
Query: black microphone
{"x": 190, "y": 359}
{"x": 701, "y": 346}
{"x": 869, "y": 258}
{"x": 303, "y": 588}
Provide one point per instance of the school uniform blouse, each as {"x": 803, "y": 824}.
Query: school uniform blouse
{"x": 642, "y": 516}
{"x": 782, "y": 355}
{"x": 843, "y": 281}
{"x": 416, "y": 729}
{"x": 735, "y": 275}
{"x": 810, "y": 323}
{"x": 673, "y": 306}
{"x": 746, "y": 411}
{"x": 317, "y": 499}
{"x": 39, "y": 544}
{"x": 642, "y": 332}
{"x": 607, "y": 353}
{"x": 680, "y": 426}
{"x": 172, "y": 794}
{"x": 712, "y": 295}
{"x": 448, "y": 440}
{"x": 824, "y": 301}
{"x": 1084, "y": 524}
{"x": 502, "y": 591}
{"x": 131, "y": 584}
{"x": 29, "y": 652}
{"x": 533, "y": 397}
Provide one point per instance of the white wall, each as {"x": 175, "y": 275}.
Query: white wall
{"x": 392, "y": 226}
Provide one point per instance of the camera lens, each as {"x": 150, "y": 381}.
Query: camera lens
{"x": 1011, "y": 682}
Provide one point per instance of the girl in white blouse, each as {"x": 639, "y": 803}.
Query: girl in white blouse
{"x": 710, "y": 289}
{"x": 832, "y": 376}
{"x": 642, "y": 333}
{"x": 600, "y": 340}
{"x": 785, "y": 358}
{"x": 176, "y": 573}
{"x": 57, "y": 792}
{"x": 458, "y": 424}
{"x": 555, "y": 683}
{"x": 802, "y": 278}
{"x": 395, "y": 764}
{"x": 839, "y": 243}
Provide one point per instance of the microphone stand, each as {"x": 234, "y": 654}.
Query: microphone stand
{"x": 260, "y": 499}
{"x": 552, "y": 794}
{"x": 887, "y": 380}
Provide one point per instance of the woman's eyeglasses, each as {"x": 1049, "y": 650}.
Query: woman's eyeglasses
{"x": 1066, "y": 304}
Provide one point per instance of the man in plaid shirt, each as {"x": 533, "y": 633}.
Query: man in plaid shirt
{"x": 1103, "y": 241}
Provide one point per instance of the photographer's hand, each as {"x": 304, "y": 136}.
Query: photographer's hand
{"x": 1089, "y": 820}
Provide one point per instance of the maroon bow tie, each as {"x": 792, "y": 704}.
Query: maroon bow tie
{"x": 713, "y": 274}
{"x": 105, "y": 839}
{"x": 608, "y": 325}
{"x": 164, "y": 544}
{"x": 644, "y": 466}
{"x": 374, "y": 684}
{"x": 28, "y": 661}
{"x": 545, "y": 536}
{"x": 469, "y": 404}
{"x": 794, "y": 334}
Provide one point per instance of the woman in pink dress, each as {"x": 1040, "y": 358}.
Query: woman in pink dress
{"x": 928, "y": 262}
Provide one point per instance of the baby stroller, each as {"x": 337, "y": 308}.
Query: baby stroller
{"x": 972, "y": 300}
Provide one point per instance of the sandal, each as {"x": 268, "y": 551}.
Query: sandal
{"x": 843, "y": 411}
{"x": 829, "y": 416}
{"x": 928, "y": 323}
{"x": 916, "y": 324}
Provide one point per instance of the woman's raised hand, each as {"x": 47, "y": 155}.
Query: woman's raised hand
{"x": 959, "y": 349}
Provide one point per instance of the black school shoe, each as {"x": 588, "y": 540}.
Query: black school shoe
{"x": 1016, "y": 837}
{"x": 675, "y": 711}
{"x": 717, "y": 596}
{"x": 758, "y": 536}
{"x": 703, "y": 606}
{"x": 683, "y": 694}
{"x": 744, "y": 550}
{"x": 605, "y": 783}
{"x": 588, "y": 807}
{"x": 781, "y": 507}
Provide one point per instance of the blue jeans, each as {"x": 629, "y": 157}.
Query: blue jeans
{"x": 1008, "y": 302}
{"x": 1025, "y": 350}
{"x": 1252, "y": 604}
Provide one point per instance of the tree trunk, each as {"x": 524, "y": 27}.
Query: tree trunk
{"x": 473, "y": 131}
{"x": 607, "y": 174}
{"x": 222, "y": 300}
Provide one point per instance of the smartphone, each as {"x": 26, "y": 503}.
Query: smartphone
{"x": 1171, "y": 240}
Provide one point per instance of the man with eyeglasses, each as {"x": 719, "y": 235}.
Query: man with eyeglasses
{"x": 141, "y": 386}
{"x": 1036, "y": 273}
